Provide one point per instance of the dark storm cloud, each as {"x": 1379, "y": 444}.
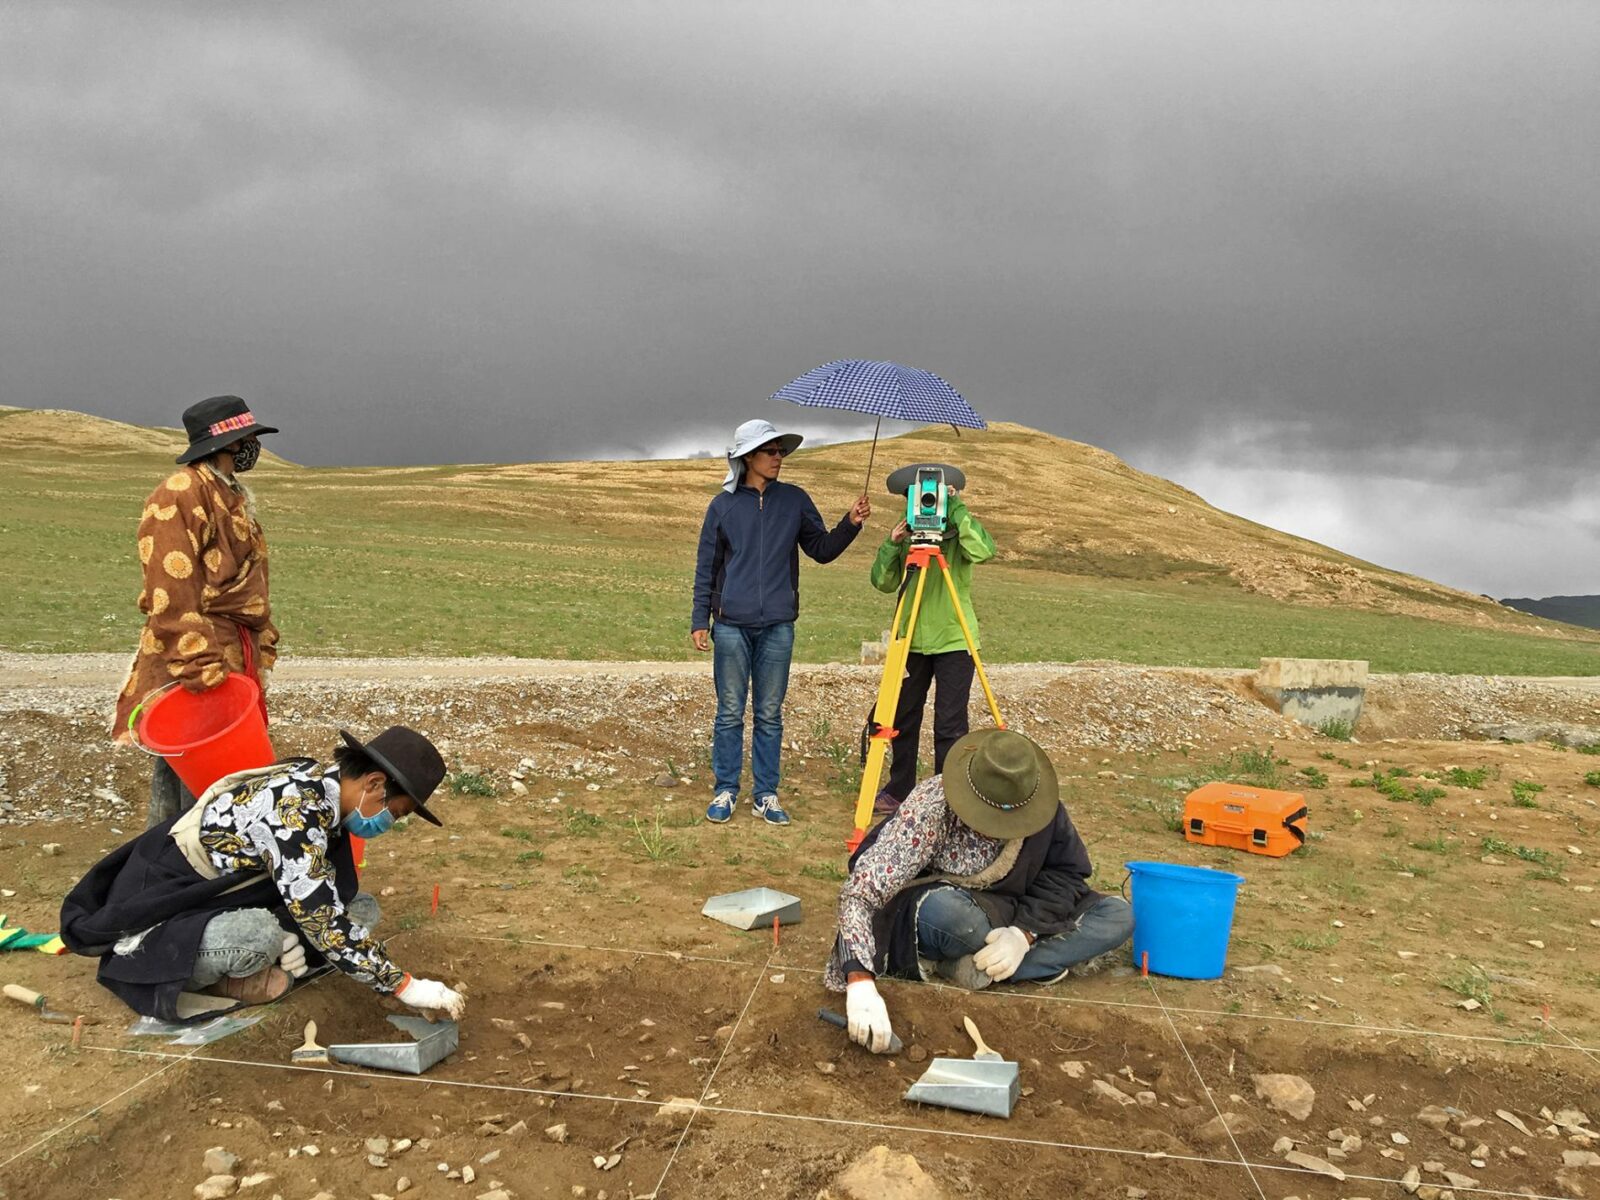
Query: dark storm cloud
{"x": 1360, "y": 240}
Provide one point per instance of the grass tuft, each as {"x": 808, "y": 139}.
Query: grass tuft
{"x": 472, "y": 783}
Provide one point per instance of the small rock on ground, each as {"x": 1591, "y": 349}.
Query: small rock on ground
{"x": 1287, "y": 1093}
{"x": 216, "y": 1187}
{"x": 885, "y": 1174}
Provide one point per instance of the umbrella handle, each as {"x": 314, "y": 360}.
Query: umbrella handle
{"x": 867, "y": 486}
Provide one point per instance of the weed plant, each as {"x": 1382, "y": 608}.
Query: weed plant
{"x": 1337, "y": 729}
{"x": 472, "y": 783}
{"x": 1523, "y": 792}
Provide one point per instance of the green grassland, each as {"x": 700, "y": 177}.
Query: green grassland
{"x": 594, "y": 561}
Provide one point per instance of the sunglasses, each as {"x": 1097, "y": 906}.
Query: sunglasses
{"x": 778, "y": 450}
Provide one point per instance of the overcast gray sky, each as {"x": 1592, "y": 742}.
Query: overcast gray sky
{"x": 1334, "y": 265}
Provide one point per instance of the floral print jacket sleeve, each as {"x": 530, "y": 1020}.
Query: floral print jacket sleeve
{"x": 281, "y": 824}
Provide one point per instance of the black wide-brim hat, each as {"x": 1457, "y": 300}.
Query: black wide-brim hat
{"x": 1000, "y": 784}
{"x": 409, "y": 759}
{"x": 217, "y": 423}
{"x": 902, "y": 478}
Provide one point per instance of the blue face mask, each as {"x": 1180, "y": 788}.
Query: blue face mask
{"x": 369, "y": 827}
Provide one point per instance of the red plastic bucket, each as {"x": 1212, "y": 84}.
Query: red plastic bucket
{"x": 207, "y": 735}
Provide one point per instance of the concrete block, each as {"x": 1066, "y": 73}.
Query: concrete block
{"x": 1314, "y": 691}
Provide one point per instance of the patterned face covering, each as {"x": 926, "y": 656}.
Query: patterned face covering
{"x": 246, "y": 455}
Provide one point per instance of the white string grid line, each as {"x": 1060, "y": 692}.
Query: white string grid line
{"x": 1086, "y": 1001}
{"x": 733, "y": 1111}
{"x": 1206, "y": 1088}
{"x": 1549, "y": 1024}
{"x": 717, "y": 1066}
{"x": 60, "y": 1129}
{"x": 176, "y": 1059}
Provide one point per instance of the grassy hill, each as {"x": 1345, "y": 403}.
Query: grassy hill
{"x": 594, "y": 560}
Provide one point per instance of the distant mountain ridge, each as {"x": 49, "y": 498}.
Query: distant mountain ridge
{"x": 1574, "y": 610}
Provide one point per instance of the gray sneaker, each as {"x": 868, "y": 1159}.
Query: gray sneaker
{"x": 963, "y": 972}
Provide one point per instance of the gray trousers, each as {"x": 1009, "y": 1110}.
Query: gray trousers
{"x": 242, "y": 942}
{"x": 168, "y": 795}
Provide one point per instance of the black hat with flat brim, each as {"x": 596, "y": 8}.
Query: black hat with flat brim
{"x": 216, "y": 424}
{"x": 409, "y": 759}
{"x": 901, "y": 479}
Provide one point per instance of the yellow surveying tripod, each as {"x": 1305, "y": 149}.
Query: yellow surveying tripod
{"x": 926, "y": 547}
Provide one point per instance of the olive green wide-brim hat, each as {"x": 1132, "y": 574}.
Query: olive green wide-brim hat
{"x": 1000, "y": 784}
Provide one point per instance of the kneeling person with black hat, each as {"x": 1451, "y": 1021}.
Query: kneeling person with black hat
{"x": 978, "y": 878}
{"x": 231, "y": 897}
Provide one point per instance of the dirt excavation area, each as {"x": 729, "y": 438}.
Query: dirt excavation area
{"x": 1412, "y": 1002}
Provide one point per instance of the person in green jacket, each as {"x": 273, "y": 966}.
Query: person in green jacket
{"x": 938, "y": 651}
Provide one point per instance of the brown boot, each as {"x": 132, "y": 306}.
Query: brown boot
{"x": 265, "y": 985}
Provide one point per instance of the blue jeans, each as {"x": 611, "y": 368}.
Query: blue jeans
{"x": 950, "y": 924}
{"x": 749, "y": 660}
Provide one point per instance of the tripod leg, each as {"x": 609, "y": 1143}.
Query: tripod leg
{"x": 894, "y": 669}
{"x": 972, "y": 646}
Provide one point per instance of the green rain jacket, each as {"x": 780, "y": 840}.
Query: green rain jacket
{"x": 965, "y": 542}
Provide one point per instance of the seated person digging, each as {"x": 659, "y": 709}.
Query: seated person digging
{"x": 979, "y": 878}
{"x": 229, "y": 898}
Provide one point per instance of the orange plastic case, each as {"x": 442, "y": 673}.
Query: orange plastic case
{"x": 1259, "y": 820}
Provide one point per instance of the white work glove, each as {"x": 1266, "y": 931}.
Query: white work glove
{"x": 1002, "y": 953}
{"x": 293, "y": 958}
{"x": 867, "y": 1016}
{"x": 430, "y": 995}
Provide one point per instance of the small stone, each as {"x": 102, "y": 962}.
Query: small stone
{"x": 389, "y": 891}
{"x": 256, "y": 1180}
{"x": 1224, "y": 1127}
{"x": 827, "y": 1068}
{"x": 220, "y": 1162}
{"x": 518, "y": 788}
{"x": 1283, "y": 1145}
{"x": 1286, "y": 1093}
{"x": 310, "y": 1151}
{"x": 503, "y": 1024}
{"x": 1536, "y": 943}
{"x": 401, "y": 1146}
{"x": 666, "y": 779}
{"x": 377, "y": 1160}
{"x": 557, "y": 1133}
{"x": 1469, "y": 1004}
{"x": 1434, "y": 1115}
{"x": 1411, "y": 1180}
{"x": 488, "y": 1158}
{"x": 468, "y": 1174}
{"x": 1580, "y": 1158}
{"x": 1457, "y": 1180}
{"x": 274, "y": 1105}
{"x": 216, "y": 1187}
{"x": 1075, "y": 1070}
{"x": 1105, "y": 1091}
{"x": 1514, "y": 1121}
{"x": 1399, "y": 1139}
{"x": 495, "y": 1194}
{"x": 882, "y": 1173}
{"x": 1312, "y": 1163}
{"x": 51, "y": 850}
{"x": 403, "y": 1184}
{"x": 377, "y": 1145}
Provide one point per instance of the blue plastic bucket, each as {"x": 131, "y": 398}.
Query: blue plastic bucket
{"x": 1182, "y": 917}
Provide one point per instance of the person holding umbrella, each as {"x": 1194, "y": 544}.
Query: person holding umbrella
{"x": 746, "y": 599}
{"x": 204, "y": 561}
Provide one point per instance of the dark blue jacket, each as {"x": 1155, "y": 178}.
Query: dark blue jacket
{"x": 747, "y": 571}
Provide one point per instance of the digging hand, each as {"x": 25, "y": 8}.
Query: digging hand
{"x": 867, "y": 1016}
{"x": 430, "y": 995}
{"x": 1002, "y": 953}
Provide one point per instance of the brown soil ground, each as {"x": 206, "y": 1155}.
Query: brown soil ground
{"x": 598, "y": 992}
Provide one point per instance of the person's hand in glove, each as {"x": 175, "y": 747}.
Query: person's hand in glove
{"x": 430, "y": 995}
{"x": 1002, "y": 953}
{"x": 293, "y": 958}
{"x": 867, "y": 1016}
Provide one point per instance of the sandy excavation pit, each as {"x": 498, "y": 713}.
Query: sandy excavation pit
{"x": 812, "y": 1084}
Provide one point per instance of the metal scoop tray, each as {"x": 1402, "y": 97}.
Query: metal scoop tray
{"x": 434, "y": 1041}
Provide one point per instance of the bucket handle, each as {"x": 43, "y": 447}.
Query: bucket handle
{"x": 133, "y": 717}
{"x": 1126, "y": 875}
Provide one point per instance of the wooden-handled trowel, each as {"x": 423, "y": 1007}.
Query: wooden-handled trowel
{"x": 984, "y": 1083}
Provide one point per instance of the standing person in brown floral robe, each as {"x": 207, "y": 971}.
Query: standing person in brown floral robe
{"x": 205, "y": 578}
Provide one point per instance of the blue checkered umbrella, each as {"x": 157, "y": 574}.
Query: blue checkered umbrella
{"x": 881, "y": 389}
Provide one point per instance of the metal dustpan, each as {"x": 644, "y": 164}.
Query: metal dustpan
{"x": 984, "y": 1084}
{"x": 433, "y": 1041}
{"x": 753, "y": 908}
